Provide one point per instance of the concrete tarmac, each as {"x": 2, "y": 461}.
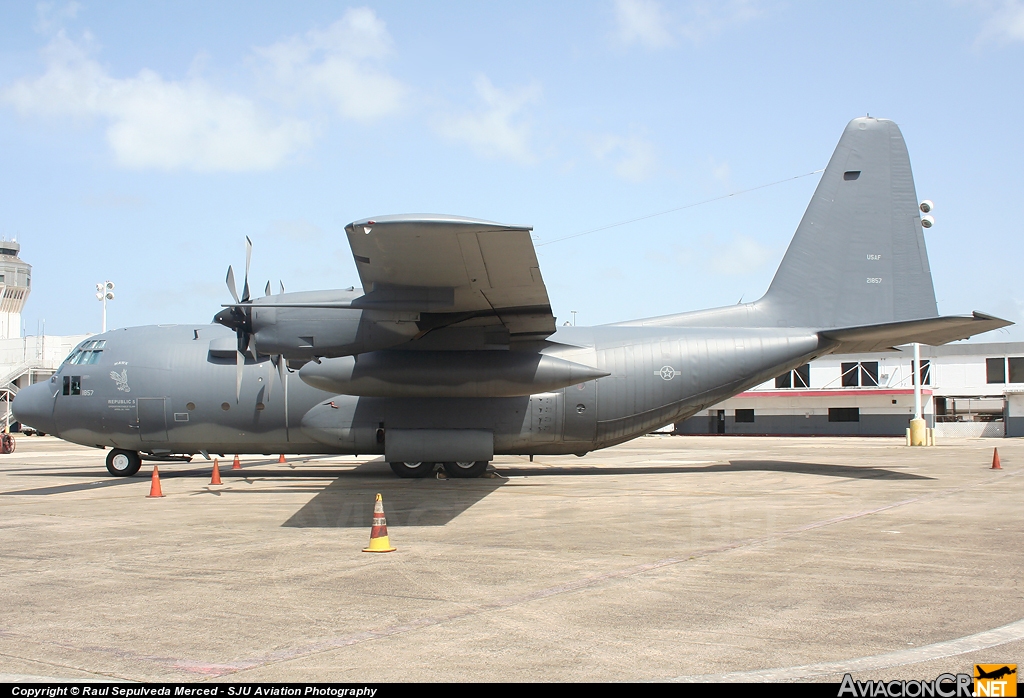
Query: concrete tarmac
{"x": 666, "y": 558}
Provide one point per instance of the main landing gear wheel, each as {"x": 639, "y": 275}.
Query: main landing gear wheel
{"x": 418, "y": 469}
{"x": 123, "y": 463}
{"x": 465, "y": 468}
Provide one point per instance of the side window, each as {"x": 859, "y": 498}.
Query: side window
{"x": 1016, "y": 369}
{"x": 995, "y": 370}
{"x": 844, "y": 414}
{"x": 802, "y": 376}
{"x": 745, "y": 416}
{"x": 926, "y": 371}
{"x": 72, "y": 385}
{"x": 850, "y": 375}
{"x": 869, "y": 374}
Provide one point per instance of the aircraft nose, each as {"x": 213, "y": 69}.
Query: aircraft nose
{"x": 33, "y": 406}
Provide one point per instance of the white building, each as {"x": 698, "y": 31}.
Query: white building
{"x": 967, "y": 390}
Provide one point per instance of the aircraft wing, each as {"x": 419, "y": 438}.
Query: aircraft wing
{"x": 454, "y": 271}
{"x": 932, "y": 331}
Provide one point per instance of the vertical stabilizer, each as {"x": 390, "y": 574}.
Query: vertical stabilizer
{"x": 858, "y": 256}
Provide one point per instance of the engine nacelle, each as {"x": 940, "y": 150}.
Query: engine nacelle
{"x": 315, "y": 324}
{"x": 446, "y": 374}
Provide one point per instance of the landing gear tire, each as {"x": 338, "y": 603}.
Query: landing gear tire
{"x": 123, "y": 463}
{"x": 419, "y": 469}
{"x": 465, "y": 468}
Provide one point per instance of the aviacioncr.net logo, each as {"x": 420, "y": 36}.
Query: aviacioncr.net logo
{"x": 943, "y": 686}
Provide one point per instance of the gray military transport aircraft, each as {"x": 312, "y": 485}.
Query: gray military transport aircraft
{"x": 449, "y": 353}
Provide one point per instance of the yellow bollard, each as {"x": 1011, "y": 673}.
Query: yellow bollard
{"x": 917, "y": 432}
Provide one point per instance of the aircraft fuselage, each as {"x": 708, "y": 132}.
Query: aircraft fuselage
{"x": 160, "y": 390}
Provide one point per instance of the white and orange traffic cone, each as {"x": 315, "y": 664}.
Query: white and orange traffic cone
{"x": 379, "y": 541}
{"x": 237, "y": 465}
{"x": 215, "y": 480}
{"x": 996, "y": 465}
{"x": 281, "y": 459}
{"x": 154, "y": 487}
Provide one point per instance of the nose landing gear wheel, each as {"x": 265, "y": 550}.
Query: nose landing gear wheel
{"x": 418, "y": 469}
{"x": 123, "y": 463}
{"x": 465, "y": 468}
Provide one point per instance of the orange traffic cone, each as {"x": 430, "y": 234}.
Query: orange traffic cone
{"x": 215, "y": 480}
{"x": 281, "y": 459}
{"x": 379, "y": 541}
{"x": 236, "y": 465}
{"x": 154, "y": 488}
{"x": 995, "y": 460}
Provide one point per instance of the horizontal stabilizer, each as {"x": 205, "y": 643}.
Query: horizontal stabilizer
{"x": 931, "y": 331}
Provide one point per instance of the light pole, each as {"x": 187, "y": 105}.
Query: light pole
{"x": 104, "y": 293}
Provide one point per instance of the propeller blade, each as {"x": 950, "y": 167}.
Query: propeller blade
{"x": 282, "y": 286}
{"x": 239, "y": 365}
{"x": 266, "y": 291}
{"x": 270, "y": 380}
{"x": 231, "y": 283}
{"x": 248, "y": 259}
{"x": 282, "y": 369}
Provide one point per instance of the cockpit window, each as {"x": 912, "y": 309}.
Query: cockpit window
{"x": 87, "y": 353}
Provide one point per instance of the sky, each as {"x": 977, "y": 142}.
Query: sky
{"x": 142, "y": 142}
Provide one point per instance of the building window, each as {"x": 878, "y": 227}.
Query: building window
{"x": 926, "y": 371}
{"x": 799, "y": 377}
{"x": 844, "y": 414}
{"x": 851, "y": 372}
{"x": 995, "y": 370}
{"x": 1016, "y": 369}
{"x": 869, "y": 374}
{"x": 745, "y": 416}
{"x": 863, "y": 374}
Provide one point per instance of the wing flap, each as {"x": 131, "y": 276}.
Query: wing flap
{"x": 489, "y": 271}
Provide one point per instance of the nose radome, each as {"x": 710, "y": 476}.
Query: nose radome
{"x": 33, "y": 406}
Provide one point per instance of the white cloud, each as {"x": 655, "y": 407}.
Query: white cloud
{"x": 634, "y": 158}
{"x": 741, "y": 255}
{"x": 500, "y": 129}
{"x": 158, "y": 123}
{"x": 339, "y": 65}
{"x": 49, "y": 16}
{"x": 1006, "y": 22}
{"x": 643, "y": 22}
{"x": 647, "y": 23}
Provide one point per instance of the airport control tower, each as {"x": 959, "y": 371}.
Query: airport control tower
{"x": 15, "y": 285}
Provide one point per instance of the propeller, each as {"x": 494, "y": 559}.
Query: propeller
{"x": 239, "y": 319}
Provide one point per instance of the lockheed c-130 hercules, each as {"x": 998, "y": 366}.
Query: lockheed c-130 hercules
{"x": 449, "y": 353}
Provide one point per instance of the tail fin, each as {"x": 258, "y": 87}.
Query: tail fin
{"x": 858, "y": 257}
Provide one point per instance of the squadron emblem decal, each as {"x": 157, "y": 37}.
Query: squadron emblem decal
{"x": 667, "y": 373}
{"x": 121, "y": 379}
